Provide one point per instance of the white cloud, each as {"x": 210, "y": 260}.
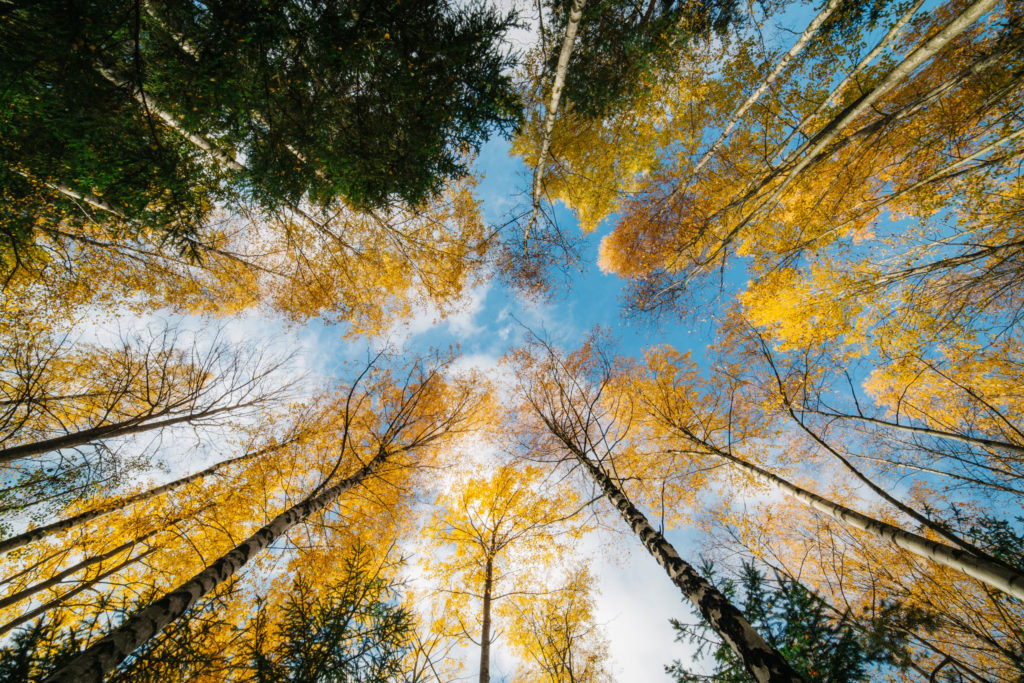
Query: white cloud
{"x": 462, "y": 322}
{"x": 635, "y": 603}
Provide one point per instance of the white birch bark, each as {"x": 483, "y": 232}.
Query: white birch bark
{"x": 861, "y": 65}
{"x": 808, "y": 152}
{"x": 575, "y": 14}
{"x": 996, "y": 575}
{"x": 761, "y": 89}
{"x": 102, "y": 656}
{"x": 33, "y": 535}
{"x": 761, "y": 660}
{"x": 94, "y": 202}
{"x": 928, "y": 49}
{"x": 171, "y": 122}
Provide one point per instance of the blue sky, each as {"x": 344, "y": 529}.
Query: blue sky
{"x": 593, "y": 299}
{"x": 636, "y": 597}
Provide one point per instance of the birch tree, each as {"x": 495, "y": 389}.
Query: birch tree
{"x": 565, "y": 401}
{"x": 503, "y": 531}
{"x": 675, "y": 399}
{"x": 412, "y": 416}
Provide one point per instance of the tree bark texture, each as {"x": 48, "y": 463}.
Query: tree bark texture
{"x": 575, "y": 14}
{"x": 485, "y": 629}
{"x": 33, "y": 535}
{"x": 817, "y": 143}
{"x": 172, "y": 123}
{"x": 995, "y": 575}
{"x": 780, "y": 66}
{"x": 863, "y": 64}
{"x": 760, "y": 659}
{"x": 102, "y": 656}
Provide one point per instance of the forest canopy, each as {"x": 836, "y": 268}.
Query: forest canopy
{"x": 422, "y": 341}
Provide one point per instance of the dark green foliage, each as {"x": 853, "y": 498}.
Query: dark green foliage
{"x": 369, "y": 101}
{"x": 365, "y": 99}
{"x": 621, "y": 43}
{"x": 817, "y": 643}
{"x": 182, "y": 651}
{"x": 352, "y": 632}
{"x": 37, "y": 650}
{"x": 998, "y": 537}
{"x": 61, "y": 124}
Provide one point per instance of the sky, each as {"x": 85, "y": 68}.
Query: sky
{"x": 636, "y": 598}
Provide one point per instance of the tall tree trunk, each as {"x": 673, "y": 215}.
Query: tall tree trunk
{"x": 996, "y": 575}
{"x": 34, "y": 535}
{"x": 760, "y": 659}
{"x": 485, "y": 629}
{"x": 77, "y": 567}
{"x": 863, "y": 64}
{"x": 60, "y": 600}
{"x": 861, "y": 134}
{"x": 94, "y": 202}
{"x": 102, "y": 656}
{"x": 168, "y": 119}
{"x": 816, "y": 144}
{"x": 761, "y": 89}
{"x": 575, "y": 14}
{"x": 83, "y": 437}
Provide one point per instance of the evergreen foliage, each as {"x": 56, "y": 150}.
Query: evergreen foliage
{"x": 822, "y": 647}
{"x": 621, "y": 44}
{"x": 150, "y": 113}
{"x": 352, "y": 631}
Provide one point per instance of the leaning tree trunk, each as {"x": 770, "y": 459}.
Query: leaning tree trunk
{"x": 89, "y": 199}
{"x": 759, "y": 658}
{"x": 829, "y": 135}
{"x": 816, "y": 144}
{"x": 485, "y": 629}
{"x": 813, "y": 149}
{"x": 33, "y": 535}
{"x": 996, "y": 575}
{"x": 31, "y": 614}
{"x": 102, "y": 656}
{"x": 780, "y": 66}
{"x": 168, "y": 118}
{"x": 57, "y": 578}
{"x": 575, "y": 14}
{"x": 849, "y": 78}
{"x": 128, "y": 427}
